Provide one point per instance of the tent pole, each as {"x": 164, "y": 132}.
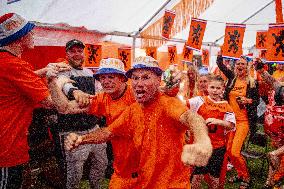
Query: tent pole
{"x": 133, "y": 48}
{"x": 258, "y": 11}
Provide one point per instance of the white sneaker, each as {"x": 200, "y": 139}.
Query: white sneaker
{"x": 229, "y": 166}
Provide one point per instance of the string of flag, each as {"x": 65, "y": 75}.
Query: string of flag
{"x": 269, "y": 43}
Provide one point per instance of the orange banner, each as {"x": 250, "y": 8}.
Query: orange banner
{"x": 278, "y": 10}
{"x": 262, "y": 53}
{"x": 124, "y": 54}
{"x": 168, "y": 23}
{"x": 234, "y": 35}
{"x": 187, "y": 54}
{"x": 261, "y": 38}
{"x": 205, "y": 57}
{"x": 151, "y": 51}
{"x": 196, "y": 33}
{"x": 93, "y": 55}
{"x": 275, "y": 46}
{"x": 172, "y": 54}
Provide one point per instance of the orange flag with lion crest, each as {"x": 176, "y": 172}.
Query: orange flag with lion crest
{"x": 232, "y": 46}
{"x": 151, "y": 51}
{"x": 168, "y": 23}
{"x": 124, "y": 54}
{"x": 93, "y": 55}
{"x": 275, "y": 45}
{"x": 261, "y": 39}
{"x": 172, "y": 54}
{"x": 196, "y": 33}
{"x": 205, "y": 57}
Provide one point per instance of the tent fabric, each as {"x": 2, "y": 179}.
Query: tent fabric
{"x": 129, "y": 15}
{"x": 101, "y": 15}
{"x": 45, "y": 36}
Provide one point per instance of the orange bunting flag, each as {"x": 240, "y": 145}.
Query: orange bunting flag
{"x": 261, "y": 38}
{"x": 275, "y": 46}
{"x": 232, "y": 46}
{"x": 187, "y": 54}
{"x": 168, "y": 23}
{"x": 124, "y": 54}
{"x": 151, "y": 51}
{"x": 93, "y": 55}
{"x": 172, "y": 54}
{"x": 196, "y": 33}
{"x": 278, "y": 10}
{"x": 262, "y": 53}
{"x": 205, "y": 57}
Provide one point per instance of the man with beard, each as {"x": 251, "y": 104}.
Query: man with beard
{"x": 72, "y": 163}
{"x": 155, "y": 126}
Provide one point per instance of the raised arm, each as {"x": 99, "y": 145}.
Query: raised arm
{"x": 95, "y": 137}
{"x": 117, "y": 128}
{"x": 226, "y": 71}
{"x": 61, "y": 102}
{"x": 200, "y": 151}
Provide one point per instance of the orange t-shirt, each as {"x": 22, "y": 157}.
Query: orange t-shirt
{"x": 208, "y": 108}
{"x": 239, "y": 89}
{"x": 21, "y": 90}
{"x": 159, "y": 137}
{"x": 126, "y": 158}
{"x": 278, "y": 74}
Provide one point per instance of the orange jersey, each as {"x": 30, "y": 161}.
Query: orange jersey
{"x": 125, "y": 157}
{"x": 159, "y": 137}
{"x": 21, "y": 90}
{"x": 208, "y": 108}
{"x": 239, "y": 89}
{"x": 278, "y": 74}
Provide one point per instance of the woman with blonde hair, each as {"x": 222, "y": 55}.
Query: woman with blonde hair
{"x": 242, "y": 94}
{"x": 190, "y": 82}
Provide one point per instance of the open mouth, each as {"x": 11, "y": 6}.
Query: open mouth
{"x": 108, "y": 88}
{"x": 140, "y": 93}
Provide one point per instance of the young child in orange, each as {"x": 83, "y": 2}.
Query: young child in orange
{"x": 220, "y": 119}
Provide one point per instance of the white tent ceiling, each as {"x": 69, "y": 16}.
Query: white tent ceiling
{"x": 130, "y": 15}
{"x": 101, "y": 15}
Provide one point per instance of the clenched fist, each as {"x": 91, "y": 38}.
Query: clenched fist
{"x": 72, "y": 141}
{"x": 196, "y": 154}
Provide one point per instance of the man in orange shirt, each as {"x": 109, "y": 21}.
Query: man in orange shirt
{"x": 21, "y": 90}
{"x": 111, "y": 103}
{"x": 155, "y": 125}
{"x": 220, "y": 119}
{"x": 279, "y": 73}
